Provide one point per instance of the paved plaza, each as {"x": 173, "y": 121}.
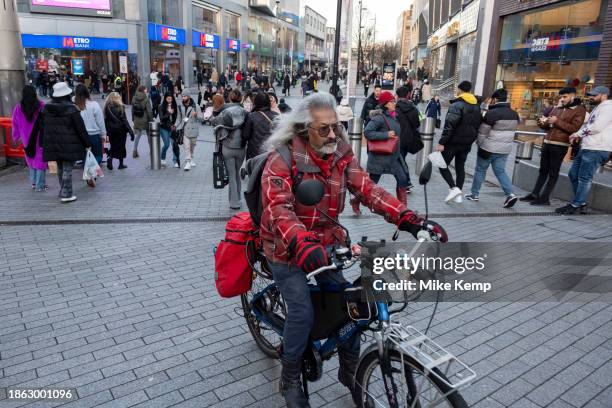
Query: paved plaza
{"x": 114, "y": 296}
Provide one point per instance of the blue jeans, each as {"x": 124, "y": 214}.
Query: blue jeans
{"x": 498, "y": 162}
{"x": 37, "y": 178}
{"x": 291, "y": 281}
{"x": 96, "y": 147}
{"x": 165, "y": 135}
{"x": 581, "y": 174}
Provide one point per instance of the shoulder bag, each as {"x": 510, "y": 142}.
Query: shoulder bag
{"x": 387, "y": 146}
{"x": 220, "y": 173}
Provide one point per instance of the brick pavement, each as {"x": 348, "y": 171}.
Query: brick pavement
{"x": 126, "y": 312}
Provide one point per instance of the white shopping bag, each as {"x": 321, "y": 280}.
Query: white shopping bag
{"x": 91, "y": 168}
{"x": 437, "y": 160}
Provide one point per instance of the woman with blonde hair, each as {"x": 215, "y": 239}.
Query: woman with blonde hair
{"x": 117, "y": 128}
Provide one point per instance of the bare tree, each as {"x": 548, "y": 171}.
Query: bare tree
{"x": 388, "y": 51}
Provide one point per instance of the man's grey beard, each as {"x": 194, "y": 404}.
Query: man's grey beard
{"x": 326, "y": 148}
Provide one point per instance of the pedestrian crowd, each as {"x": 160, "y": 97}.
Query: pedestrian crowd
{"x": 244, "y": 117}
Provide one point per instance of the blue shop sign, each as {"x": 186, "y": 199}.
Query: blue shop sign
{"x": 204, "y": 40}
{"x": 74, "y": 42}
{"x": 232, "y": 45}
{"x": 158, "y": 32}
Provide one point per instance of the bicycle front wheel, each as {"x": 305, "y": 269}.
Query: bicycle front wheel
{"x": 413, "y": 386}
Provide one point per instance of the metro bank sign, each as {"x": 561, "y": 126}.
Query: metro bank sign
{"x": 158, "y": 32}
{"x": 74, "y": 42}
{"x": 83, "y": 43}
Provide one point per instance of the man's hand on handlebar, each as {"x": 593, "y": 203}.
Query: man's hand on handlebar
{"x": 412, "y": 223}
{"x": 310, "y": 255}
{"x": 436, "y": 229}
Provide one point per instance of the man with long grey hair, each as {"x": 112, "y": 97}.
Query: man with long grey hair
{"x": 295, "y": 236}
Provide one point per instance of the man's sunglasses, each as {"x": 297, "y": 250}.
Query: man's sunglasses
{"x": 323, "y": 131}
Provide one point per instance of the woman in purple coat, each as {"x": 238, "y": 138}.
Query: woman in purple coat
{"x": 25, "y": 118}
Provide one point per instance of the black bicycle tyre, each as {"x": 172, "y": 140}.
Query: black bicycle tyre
{"x": 455, "y": 399}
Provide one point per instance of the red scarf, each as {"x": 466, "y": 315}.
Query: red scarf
{"x": 324, "y": 164}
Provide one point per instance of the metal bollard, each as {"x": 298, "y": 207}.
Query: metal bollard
{"x": 524, "y": 151}
{"x": 428, "y": 129}
{"x": 154, "y": 145}
{"x": 355, "y": 132}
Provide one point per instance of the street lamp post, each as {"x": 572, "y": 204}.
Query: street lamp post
{"x": 336, "y": 73}
{"x": 276, "y": 38}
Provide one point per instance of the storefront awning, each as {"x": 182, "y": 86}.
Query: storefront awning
{"x": 74, "y": 42}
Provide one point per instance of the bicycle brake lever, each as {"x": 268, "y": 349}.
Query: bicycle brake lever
{"x": 396, "y": 234}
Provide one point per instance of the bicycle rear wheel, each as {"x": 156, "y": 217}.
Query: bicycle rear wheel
{"x": 267, "y": 338}
{"x": 414, "y": 387}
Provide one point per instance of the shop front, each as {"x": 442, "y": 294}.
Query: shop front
{"x": 232, "y": 48}
{"x": 206, "y": 48}
{"x": 545, "y": 49}
{"x": 166, "y": 48}
{"x": 58, "y": 55}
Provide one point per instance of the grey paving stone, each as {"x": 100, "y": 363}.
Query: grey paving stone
{"x": 90, "y": 400}
{"x": 512, "y": 392}
{"x": 106, "y": 384}
{"x": 582, "y": 393}
{"x": 206, "y": 385}
{"x": 239, "y": 386}
{"x": 163, "y": 401}
{"x": 547, "y": 392}
{"x": 173, "y": 384}
{"x": 139, "y": 384}
{"x": 204, "y": 400}
{"x": 126, "y": 401}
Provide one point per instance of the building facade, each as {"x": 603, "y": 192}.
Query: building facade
{"x": 404, "y": 36}
{"x": 541, "y": 46}
{"x": 273, "y": 35}
{"x": 419, "y": 30}
{"x": 314, "y": 29}
{"x": 452, "y": 43}
{"x": 175, "y": 36}
{"x": 330, "y": 38}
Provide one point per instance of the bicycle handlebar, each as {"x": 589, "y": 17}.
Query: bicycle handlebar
{"x": 321, "y": 270}
{"x": 422, "y": 236}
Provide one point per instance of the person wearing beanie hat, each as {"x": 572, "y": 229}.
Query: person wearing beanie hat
{"x": 459, "y": 133}
{"x": 564, "y": 120}
{"x": 595, "y": 138}
{"x": 382, "y": 126}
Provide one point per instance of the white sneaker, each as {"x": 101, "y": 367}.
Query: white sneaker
{"x": 163, "y": 163}
{"x": 68, "y": 200}
{"x": 176, "y": 166}
{"x": 193, "y": 164}
{"x": 453, "y": 192}
{"x": 458, "y": 199}
{"x": 187, "y": 166}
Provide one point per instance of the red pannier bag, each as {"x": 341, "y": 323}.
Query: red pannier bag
{"x": 235, "y": 255}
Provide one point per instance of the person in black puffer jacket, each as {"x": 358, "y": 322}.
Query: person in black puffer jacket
{"x": 65, "y": 137}
{"x": 460, "y": 131}
{"x": 258, "y": 125}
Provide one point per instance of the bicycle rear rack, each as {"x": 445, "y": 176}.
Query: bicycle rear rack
{"x": 435, "y": 359}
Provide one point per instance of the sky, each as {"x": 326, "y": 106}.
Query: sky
{"x": 386, "y": 12}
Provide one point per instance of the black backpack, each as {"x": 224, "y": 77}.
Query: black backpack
{"x": 254, "y": 169}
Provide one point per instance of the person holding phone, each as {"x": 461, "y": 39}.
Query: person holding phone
{"x": 168, "y": 115}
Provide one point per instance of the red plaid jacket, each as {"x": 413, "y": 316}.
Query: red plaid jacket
{"x": 283, "y": 217}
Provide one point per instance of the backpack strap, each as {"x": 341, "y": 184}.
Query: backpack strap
{"x": 285, "y": 154}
